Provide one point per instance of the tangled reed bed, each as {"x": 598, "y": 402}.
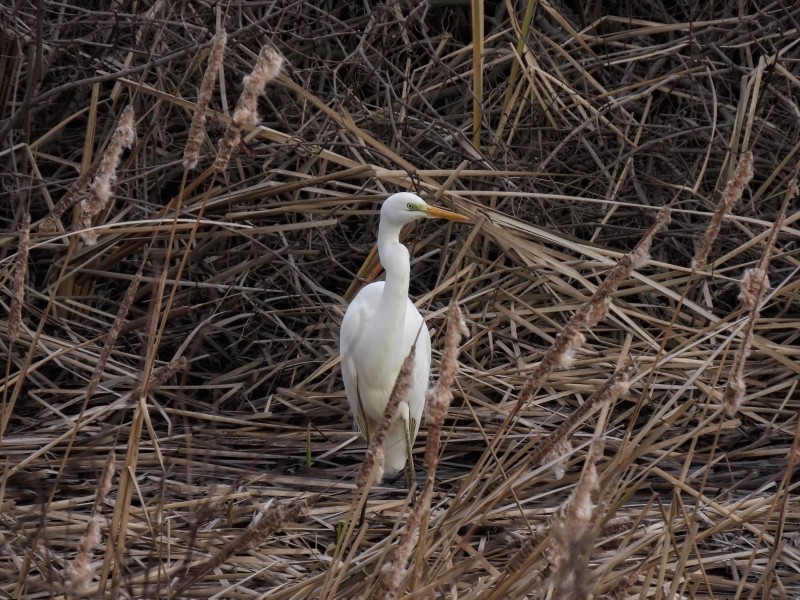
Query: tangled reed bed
{"x": 173, "y": 419}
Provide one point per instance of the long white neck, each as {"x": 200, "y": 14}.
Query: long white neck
{"x": 395, "y": 260}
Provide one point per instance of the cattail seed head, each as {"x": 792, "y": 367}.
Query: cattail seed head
{"x": 639, "y": 258}
{"x": 571, "y": 528}
{"x": 20, "y": 273}
{"x": 597, "y": 311}
{"x": 755, "y": 284}
{"x": 561, "y": 352}
{"x": 194, "y": 140}
{"x": 730, "y": 196}
{"x": 734, "y": 394}
{"x": 268, "y": 67}
{"x": 558, "y": 453}
{"x": 100, "y": 189}
{"x": 575, "y": 339}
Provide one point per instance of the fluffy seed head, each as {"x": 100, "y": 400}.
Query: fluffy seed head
{"x": 755, "y": 284}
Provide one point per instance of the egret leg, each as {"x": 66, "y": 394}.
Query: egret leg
{"x": 411, "y": 474}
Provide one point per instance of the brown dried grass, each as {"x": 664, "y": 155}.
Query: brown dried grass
{"x": 222, "y": 392}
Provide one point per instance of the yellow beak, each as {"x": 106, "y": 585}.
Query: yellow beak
{"x": 440, "y": 213}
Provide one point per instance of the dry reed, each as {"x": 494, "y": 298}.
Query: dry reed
{"x": 194, "y": 139}
{"x": 561, "y": 351}
{"x": 100, "y": 191}
{"x": 20, "y": 275}
{"x": 266, "y": 522}
{"x": 754, "y": 286}
{"x": 619, "y": 591}
{"x": 437, "y": 402}
{"x": 268, "y": 67}
{"x": 730, "y": 196}
{"x": 611, "y": 116}
{"x": 113, "y": 334}
{"x": 80, "y": 571}
{"x": 613, "y": 388}
{"x": 168, "y": 371}
{"x": 572, "y": 532}
{"x": 71, "y": 197}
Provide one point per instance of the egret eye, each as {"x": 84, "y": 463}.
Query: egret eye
{"x": 410, "y": 206}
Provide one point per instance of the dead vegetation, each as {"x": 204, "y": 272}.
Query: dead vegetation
{"x": 173, "y": 421}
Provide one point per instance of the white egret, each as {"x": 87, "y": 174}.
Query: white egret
{"x": 378, "y": 330}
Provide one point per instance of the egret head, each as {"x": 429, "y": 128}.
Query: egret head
{"x": 405, "y": 207}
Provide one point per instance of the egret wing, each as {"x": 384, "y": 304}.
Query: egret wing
{"x": 351, "y": 335}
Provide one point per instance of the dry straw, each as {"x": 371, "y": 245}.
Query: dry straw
{"x": 191, "y": 153}
{"x": 730, "y": 196}
{"x": 438, "y": 401}
{"x": 612, "y": 389}
{"x": 257, "y": 388}
{"x": 268, "y": 67}
{"x": 754, "y": 286}
{"x": 20, "y": 273}
{"x": 620, "y": 590}
{"x": 100, "y": 191}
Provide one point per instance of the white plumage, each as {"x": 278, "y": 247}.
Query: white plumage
{"x": 377, "y": 332}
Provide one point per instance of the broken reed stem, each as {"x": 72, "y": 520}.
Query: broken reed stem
{"x": 80, "y": 572}
{"x": 560, "y": 353}
{"x": 372, "y": 468}
{"x": 20, "y": 274}
{"x": 438, "y": 401}
{"x": 754, "y": 286}
{"x": 194, "y": 140}
{"x": 268, "y": 67}
{"x": 730, "y": 196}
{"x": 273, "y": 519}
{"x": 100, "y": 190}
